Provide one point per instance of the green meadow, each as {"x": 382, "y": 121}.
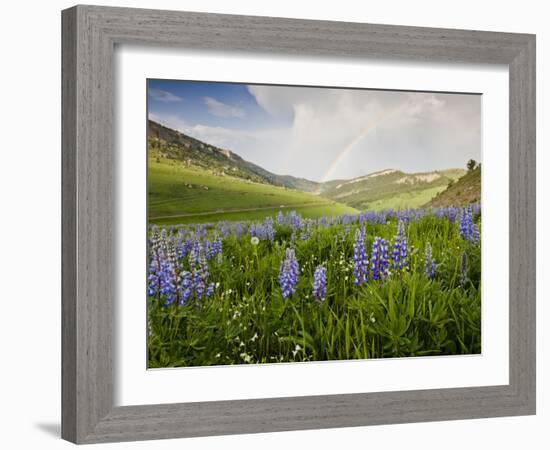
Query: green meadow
{"x": 404, "y": 200}
{"x": 178, "y": 194}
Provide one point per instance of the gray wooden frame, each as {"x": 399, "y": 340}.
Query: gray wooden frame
{"x": 89, "y": 37}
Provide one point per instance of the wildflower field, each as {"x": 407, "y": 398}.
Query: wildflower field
{"x": 287, "y": 288}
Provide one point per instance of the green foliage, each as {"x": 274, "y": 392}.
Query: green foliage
{"x": 247, "y": 321}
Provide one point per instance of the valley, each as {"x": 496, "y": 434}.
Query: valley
{"x": 190, "y": 181}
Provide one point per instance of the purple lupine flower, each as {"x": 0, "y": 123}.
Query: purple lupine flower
{"x": 400, "y": 248}
{"x": 268, "y": 229}
{"x": 320, "y": 283}
{"x": 210, "y": 290}
{"x": 153, "y": 279}
{"x": 200, "y": 230}
{"x": 200, "y": 276}
{"x": 466, "y": 227}
{"x": 185, "y": 286}
{"x": 238, "y": 229}
{"x": 213, "y": 248}
{"x": 263, "y": 231}
{"x": 224, "y": 228}
{"x": 193, "y": 255}
{"x": 294, "y": 220}
{"x": 429, "y": 262}
{"x": 289, "y": 273}
{"x": 217, "y": 245}
{"x": 167, "y": 274}
{"x": 451, "y": 214}
{"x": 181, "y": 250}
{"x": 280, "y": 218}
{"x": 360, "y": 269}
{"x": 167, "y": 281}
{"x": 438, "y": 212}
{"x": 379, "y": 258}
{"x": 404, "y": 215}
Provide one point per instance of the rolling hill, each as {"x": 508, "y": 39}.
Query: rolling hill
{"x": 391, "y": 188}
{"x": 189, "y": 181}
{"x": 466, "y": 190}
{"x": 192, "y": 181}
{"x": 172, "y": 144}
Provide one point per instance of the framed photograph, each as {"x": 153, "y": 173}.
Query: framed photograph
{"x": 278, "y": 224}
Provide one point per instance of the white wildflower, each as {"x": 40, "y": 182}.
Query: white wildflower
{"x": 245, "y": 357}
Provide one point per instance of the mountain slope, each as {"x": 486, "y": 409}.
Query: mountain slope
{"x": 189, "y": 181}
{"x": 175, "y": 145}
{"x": 464, "y": 191}
{"x": 388, "y": 188}
{"x": 391, "y": 188}
{"x": 177, "y": 194}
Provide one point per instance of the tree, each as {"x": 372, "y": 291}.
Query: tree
{"x": 471, "y": 165}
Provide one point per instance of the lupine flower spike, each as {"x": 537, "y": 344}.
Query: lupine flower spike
{"x": 400, "y": 248}
{"x": 379, "y": 259}
{"x": 320, "y": 283}
{"x": 360, "y": 269}
{"x": 466, "y": 227}
{"x": 289, "y": 273}
{"x": 429, "y": 262}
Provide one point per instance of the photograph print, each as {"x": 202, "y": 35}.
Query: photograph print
{"x": 292, "y": 224}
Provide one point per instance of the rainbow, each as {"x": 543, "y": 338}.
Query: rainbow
{"x": 348, "y": 148}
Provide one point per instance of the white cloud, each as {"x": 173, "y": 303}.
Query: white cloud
{"x": 339, "y": 133}
{"x": 164, "y": 96}
{"x": 344, "y": 133}
{"x": 220, "y": 109}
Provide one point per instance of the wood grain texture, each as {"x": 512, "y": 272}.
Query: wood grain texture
{"x": 89, "y": 36}
{"x": 68, "y": 226}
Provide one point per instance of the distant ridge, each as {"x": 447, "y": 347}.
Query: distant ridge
{"x": 391, "y": 188}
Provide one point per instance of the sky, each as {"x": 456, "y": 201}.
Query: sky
{"x": 323, "y": 133}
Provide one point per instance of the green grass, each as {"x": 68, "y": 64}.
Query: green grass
{"x": 404, "y": 200}
{"x": 246, "y": 320}
{"x": 180, "y": 194}
{"x": 328, "y": 210}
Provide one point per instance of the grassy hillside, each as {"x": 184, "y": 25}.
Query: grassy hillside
{"x": 172, "y": 144}
{"x": 391, "y": 189}
{"x": 178, "y": 193}
{"x": 190, "y": 181}
{"x": 464, "y": 191}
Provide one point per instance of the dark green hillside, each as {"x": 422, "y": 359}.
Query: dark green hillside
{"x": 464, "y": 191}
